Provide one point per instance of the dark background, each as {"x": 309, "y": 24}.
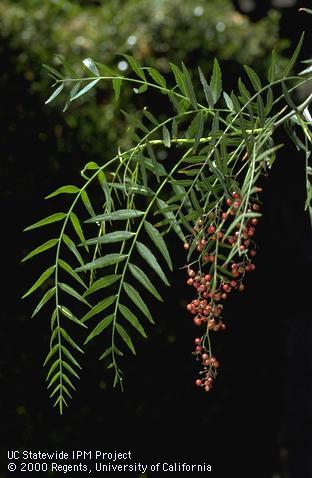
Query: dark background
{"x": 257, "y": 420}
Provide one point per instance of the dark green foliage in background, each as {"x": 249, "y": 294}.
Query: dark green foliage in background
{"x": 33, "y": 32}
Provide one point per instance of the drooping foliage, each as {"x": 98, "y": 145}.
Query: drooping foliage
{"x": 197, "y": 173}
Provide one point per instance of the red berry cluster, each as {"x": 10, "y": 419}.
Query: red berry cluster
{"x": 209, "y": 364}
{"x": 211, "y": 240}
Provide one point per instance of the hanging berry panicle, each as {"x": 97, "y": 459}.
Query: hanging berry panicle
{"x": 224, "y": 242}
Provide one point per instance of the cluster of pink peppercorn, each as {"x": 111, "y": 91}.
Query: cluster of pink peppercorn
{"x": 217, "y": 277}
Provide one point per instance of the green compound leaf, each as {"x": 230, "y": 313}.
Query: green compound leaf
{"x": 288, "y": 98}
{"x": 54, "y": 378}
{"x": 56, "y": 331}
{"x": 76, "y": 225}
{"x": 47, "y": 296}
{"x": 141, "y": 277}
{"x": 44, "y": 247}
{"x": 87, "y": 203}
{"x": 69, "y": 290}
{"x": 228, "y": 101}
{"x": 67, "y": 313}
{"x": 150, "y": 116}
{"x": 105, "y": 70}
{"x": 117, "y": 351}
{"x": 64, "y": 389}
{"x": 166, "y": 136}
{"x": 68, "y": 338}
{"x": 191, "y": 186}
{"x": 89, "y": 63}
{"x": 99, "y": 328}
{"x": 140, "y": 90}
{"x": 294, "y": 57}
{"x": 133, "y": 188}
{"x": 171, "y": 219}
{"x": 92, "y": 166}
{"x": 54, "y": 72}
{"x": 102, "y": 283}
{"x": 46, "y": 274}
{"x": 206, "y": 88}
{"x": 70, "y": 356}
{"x": 198, "y": 124}
{"x": 137, "y": 300}
{"x": 117, "y": 82}
{"x": 70, "y": 369}
{"x": 99, "y": 307}
{"x": 245, "y": 95}
{"x": 64, "y": 190}
{"x": 116, "y": 236}
{"x": 58, "y": 216}
{"x": 54, "y": 392}
{"x": 189, "y": 87}
{"x": 125, "y": 337}
{"x": 105, "y": 261}
{"x": 72, "y": 247}
{"x": 52, "y": 368}
{"x": 106, "y": 353}
{"x": 55, "y": 93}
{"x": 159, "y": 242}
{"x": 109, "y": 351}
{"x": 74, "y": 90}
{"x": 132, "y": 319}
{"x": 51, "y": 353}
{"x": 135, "y": 66}
{"x": 269, "y": 101}
{"x": 179, "y": 77}
{"x": 68, "y": 381}
{"x": 157, "y": 77}
{"x": 149, "y": 257}
{"x": 60, "y": 401}
{"x": 119, "y": 215}
{"x": 216, "y": 81}
{"x": 64, "y": 265}
{"x": 52, "y": 322}
{"x": 84, "y": 90}
{"x": 253, "y": 77}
